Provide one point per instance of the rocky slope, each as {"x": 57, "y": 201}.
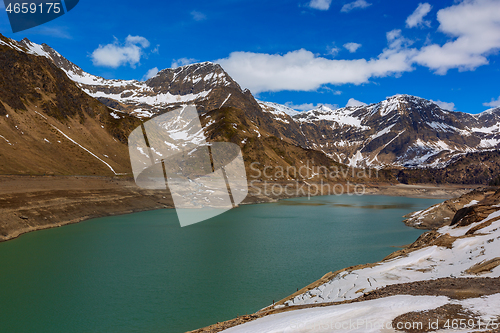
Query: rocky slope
{"x": 443, "y": 213}
{"x": 471, "y": 168}
{"x": 48, "y": 125}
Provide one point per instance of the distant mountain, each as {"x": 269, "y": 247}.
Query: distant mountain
{"x": 402, "y": 131}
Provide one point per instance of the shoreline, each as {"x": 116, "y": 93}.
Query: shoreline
{"x": 31, "y": 203}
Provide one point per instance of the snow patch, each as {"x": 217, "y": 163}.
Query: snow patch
{"x": 472, "y": 203}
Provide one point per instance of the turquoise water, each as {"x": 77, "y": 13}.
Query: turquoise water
{"x": 144, "y": 273}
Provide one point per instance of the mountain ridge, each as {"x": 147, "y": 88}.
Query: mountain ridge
{"x": 403, "y": 131}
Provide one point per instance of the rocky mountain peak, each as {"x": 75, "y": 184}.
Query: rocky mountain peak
{"x": 72, "y": 71}
{"x": 403, "y": 105}
{"x": 495, "y": 110}
{"x": 191, "y": 79}
{"x": 400, "y": 131}
{"x": 489, "y": 118}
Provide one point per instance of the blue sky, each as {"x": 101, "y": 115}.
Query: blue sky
{"x": 297, "y": 52}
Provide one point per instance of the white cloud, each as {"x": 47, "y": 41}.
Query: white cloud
{"x": 302, "y": 70}
{"x": 116, "y": 54}
{"x": 320, "y": 4}
{"x": 310, "y": 106}
{"x": 353, "y": 5}
{"x": 445, "y": 105}
{"x": 182, "y": 62}
{"x": 198, "y": 16}
{"x": 354, "y": 102}
{"x": 330, "y": 90}
{"x": 156, "y": 49}
{"x": 152, "y": 72}
{"x": 352, "y": 47}
{"x": 475, "y": 27}
{"x": 494, "y": 103}
{"x": 134, "y": 40}
{"x": 396, "y": 39}
{"x": 416, "y": 19}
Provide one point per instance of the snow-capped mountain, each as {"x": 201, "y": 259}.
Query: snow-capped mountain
{"x": 205, "y": 84}
{"x": 401, "y": 131}
{"x": 57, "y": 126}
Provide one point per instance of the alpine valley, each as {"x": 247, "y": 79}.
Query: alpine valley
{"x": 64, "y": 158}
{"x": 93, "y": 117}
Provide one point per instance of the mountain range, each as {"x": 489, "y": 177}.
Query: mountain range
{"x": 50, "y": 105}
{"x": 401, "y": 131}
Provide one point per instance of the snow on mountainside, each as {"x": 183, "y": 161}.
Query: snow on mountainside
{"x": 279, "y": 112}
{"x": 278, "y": 108}
{"x": 340, "y": 117}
